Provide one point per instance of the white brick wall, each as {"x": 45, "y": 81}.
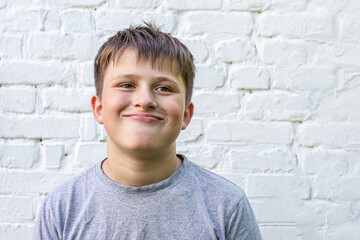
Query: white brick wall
{"x": 277, "y": 103}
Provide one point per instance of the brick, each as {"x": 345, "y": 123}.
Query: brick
{"x": 349, "y": 28}
{"x": 269, "y": 186}
{"x": 10, "y": 46}
{"x": 193, "y": 5}
{"x": 349, "y": 7}
{"x": 50, "y": 19}
{"x": 274, "y": 132}
{"x": 262, "y": 159}
{"x": 307, "y": 79}
{"x": 15, "y": 208}
{"x": 311, "y": 227}
{"x": 53, "y": 153}
{"x": 286, "y": 6}
{"x": 88, "y": 129}
{"x": 333, "y": 135}
{"x": 321, "y": 54}
{"x": 206, "y": 156}
{"x": 198, "y": 48}
{"x": 344, "y": 189}
{"x": 67, "y": 99}
{"x": 234, "y": 50}
{"x": 249, "y": 5}
{"x": 192, "y": 132}
{"x": 19, "y": 100}
{"x": 288, "y": 54}
{"x": 342, "y": 107}
{"x": 232, "y": 23}
{"x": 339, "y": 215}
{"x": 55, "y": 46}
{"x": 300, "y": 25}
{"x": 208, "y": 77}
{"x": 277, "y": 106}
{"x": 39, "y": 127}
{"x": 273, "y": 211}
{"x": 249, "y": 77}
{"x": 17, "y": 3}
{"x": 20, "y": 20}
{"x": 350, "y": 84}
{"x": 209, "y": 103}
{"x": 304, "y": 189}
{"x": 338, "y": 54}
{"x": 324, "y": 163}
{"x": 139, "y": 4}
{"x": 15, "y": 231}
{"x": 30, "y": 182}
{"x": 213, "y": 133}
{"x": 278, "y": 232}
{"x": 350, "y": 80}
{"x": 321, "y": 189}
{"x": 18, "y": 156}
{"x": 87, "y": 74}
{"x": 77, "y": 21}
{"x": 78, "y": 3}
{"x": 350, "y": 230}
{"x": 49, "y": 72}
{"x": 114, "y": 20}
{"x": 251, "y": 132}
{"x": 347, "y": 54}
{"x": 87, "y": 154}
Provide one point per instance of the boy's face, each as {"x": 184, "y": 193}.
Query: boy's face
{"x": 142, "y": 108}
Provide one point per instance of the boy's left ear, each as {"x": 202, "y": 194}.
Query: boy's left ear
{"x": 188, "y": 113}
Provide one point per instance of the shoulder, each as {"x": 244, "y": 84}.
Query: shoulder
{"x": 215, "y": 189}
{"x": 61, "y": 204}
{"x": 239, "y": 219}
{"x": 216, "y": 182}
{"x": 75, "y": 187}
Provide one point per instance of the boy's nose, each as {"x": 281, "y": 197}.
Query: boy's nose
{"x": 145, "y": 99}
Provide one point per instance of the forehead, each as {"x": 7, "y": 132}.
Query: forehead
{"x": 131, "y": 58}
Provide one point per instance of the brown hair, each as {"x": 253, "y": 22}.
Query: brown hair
{"x": 152, "y": 45}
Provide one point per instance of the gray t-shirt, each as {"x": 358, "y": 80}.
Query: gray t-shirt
{"x": 192, "y": 203}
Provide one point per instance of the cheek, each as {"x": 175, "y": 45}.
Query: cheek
{"x": 175, "y": 110}
{"x": 116, "y": 101}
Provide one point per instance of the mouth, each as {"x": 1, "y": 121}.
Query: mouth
{"x": 144, "y": 117}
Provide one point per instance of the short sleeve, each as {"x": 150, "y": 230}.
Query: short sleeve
{"x": 45, "y": 228}
{"x": 242, "y": 224}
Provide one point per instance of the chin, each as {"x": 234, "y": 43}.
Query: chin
{"x": 142, "y": 143}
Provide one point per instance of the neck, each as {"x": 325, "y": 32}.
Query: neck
{"x": 137, "y": 170}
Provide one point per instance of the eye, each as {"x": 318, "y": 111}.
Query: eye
{"x": 164, "y": 89}
{"x": 127, "y": 85}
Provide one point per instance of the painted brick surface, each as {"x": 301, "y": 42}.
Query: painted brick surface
{"x": 277, "y": 104}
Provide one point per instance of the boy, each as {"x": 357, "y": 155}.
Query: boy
{"x": 143, "y": 189}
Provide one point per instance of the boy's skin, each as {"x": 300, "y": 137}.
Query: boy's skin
{"x": 143, "y": 109}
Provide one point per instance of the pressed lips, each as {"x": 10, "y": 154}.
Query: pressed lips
{"x": 143, "y": 117}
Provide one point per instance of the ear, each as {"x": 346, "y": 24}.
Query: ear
{"x": 96, "y": 106}
{"x": 188, "y": 113}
